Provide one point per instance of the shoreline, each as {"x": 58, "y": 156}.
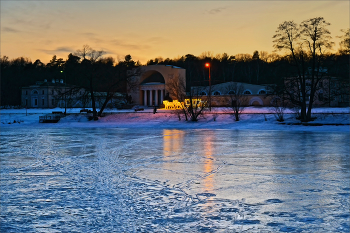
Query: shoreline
{"x": 327, "y": 120}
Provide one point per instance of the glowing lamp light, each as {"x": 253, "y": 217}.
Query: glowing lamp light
{"x": 207, "y": 65}
{"x": 61, "y": 71}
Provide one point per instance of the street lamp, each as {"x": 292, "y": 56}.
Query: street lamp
{"x": 65, "y": 90}
{"x": 207, "y": 65}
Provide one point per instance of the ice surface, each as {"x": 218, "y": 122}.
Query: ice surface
{"x": 158, "y": 180}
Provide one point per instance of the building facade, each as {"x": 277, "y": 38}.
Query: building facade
{"x": 153, "y": 80}
{"x": 43, "y": 94}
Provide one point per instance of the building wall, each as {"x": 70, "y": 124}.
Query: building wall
{"x": 220, "y": 96}
{"x": 250, "y": 100}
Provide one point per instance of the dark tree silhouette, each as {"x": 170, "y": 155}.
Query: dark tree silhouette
{"x": 306, "y": 44}
{"x": 345, "y": 42}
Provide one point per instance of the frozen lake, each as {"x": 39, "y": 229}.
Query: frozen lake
{"x": 150, "y": 180}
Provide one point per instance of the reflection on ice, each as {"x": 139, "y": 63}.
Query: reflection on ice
{"x": 172, "y": 141}
{"x": 116, "y": 180}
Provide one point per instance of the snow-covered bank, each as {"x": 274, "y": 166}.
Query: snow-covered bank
{"x": 255, "y": 110}
{"x": 252, "y": 119}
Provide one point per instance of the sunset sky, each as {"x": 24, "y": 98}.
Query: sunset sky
{"x": 149, "y": 29}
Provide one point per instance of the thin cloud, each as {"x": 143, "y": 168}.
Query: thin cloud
{"x": 311, "y": 9}
{"x": 216, "y": 10}
{"x": 64, "y": 49}
{"x": 156, "y": 39}
{"x": 326, "y": 5}
{"x": 45, "y": 26}
{"x": 90, "y": 34}
{"x": 57, "y": 50}
{"x": 12, "y": 30}
{"x": 127, "y": 45}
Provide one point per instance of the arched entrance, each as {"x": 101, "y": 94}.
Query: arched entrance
{"x": 256, "y": 101}
{"x": 152, "y": 88}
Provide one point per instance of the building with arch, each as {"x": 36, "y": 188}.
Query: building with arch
{"x": 255, "y": 94}
{"x": 153, "y": 80}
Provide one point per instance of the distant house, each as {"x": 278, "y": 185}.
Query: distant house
{"x": 50, "y": 95}
{"x": 42, "y": 94}
{"x": 57, "y": 94}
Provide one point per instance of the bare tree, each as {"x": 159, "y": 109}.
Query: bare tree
{"x": 237, "y": 98}
{"x": 177, "y": 89}
{"x": 88, "y": 53}
{"x": 345, "y": 42}
{"x": 279, "y": 105}
{"x": 125, "y": 78}
{"x": 264, "y": 56}
{"x": 91, "y": 71}
{"x": 193, "y": 106}
{"x": 306, "y": 44}
{"x": 71, "y": 95}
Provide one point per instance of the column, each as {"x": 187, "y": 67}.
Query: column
{"x": 161, "y": 97}
{"x": 156, "y": 98}
{"x": 145, "y": 97}
{"x": 150, "y": 97}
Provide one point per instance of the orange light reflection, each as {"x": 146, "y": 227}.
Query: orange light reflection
{"x": 172, "y": 141}
{"x": 208, "y": 165}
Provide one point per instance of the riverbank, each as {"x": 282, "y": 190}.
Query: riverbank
{"x": 252, "y": 118}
